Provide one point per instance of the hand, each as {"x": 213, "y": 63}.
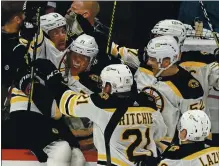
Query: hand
{"x": 77, "y": 24}
{"x": 30, "y": 9}
{"x": 147, "y": 100}
{"x": 73, "y": 27}
{"x": 23, "y": 77}
{"x": 85, "y": 25}
{"x": 29, "y": 27}
{"x": 46, "y": 70}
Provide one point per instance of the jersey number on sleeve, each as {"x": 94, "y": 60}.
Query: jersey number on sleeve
{"x": 82, "y": 99}
{"x": 197, "y": 106}
{"x": 139, "y": 135}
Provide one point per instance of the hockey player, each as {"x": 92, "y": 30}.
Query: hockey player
{"x": 56, "y": 136}
{"x": 88, "y": 10}
{"x": 194, "y": 127}
{"x": 174, "y": 88}
{"x": 136, "y": 128}
{"x": 202, "y": 67}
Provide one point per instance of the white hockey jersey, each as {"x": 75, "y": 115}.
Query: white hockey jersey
{"x": 133, "y": 136}
{"x": 46, "y": 50}
{"x": 174, "y": 94}
{"x": 205, "y": 157}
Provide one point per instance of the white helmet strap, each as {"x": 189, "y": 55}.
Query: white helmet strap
{"x": 163, "y": 69}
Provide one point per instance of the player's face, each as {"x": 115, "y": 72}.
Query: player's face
{"x": 58, "y": 37}
{"x": 152, "y": 62}
{"x": 78, "y": 62}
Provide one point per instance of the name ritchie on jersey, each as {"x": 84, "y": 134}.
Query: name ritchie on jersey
{"x": 134, "y": 118}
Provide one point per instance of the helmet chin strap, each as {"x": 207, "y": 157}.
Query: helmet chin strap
{"x": 163, "y": 69}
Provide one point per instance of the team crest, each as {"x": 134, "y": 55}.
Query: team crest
{"x": 157, "y": 96}
{"x": 174, "y": 148}
{"x": 193, "y": 83}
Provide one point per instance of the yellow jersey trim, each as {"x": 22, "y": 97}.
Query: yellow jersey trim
{"x": 146, "y": 71}
{"x": 174, "y": 88}
{"x": 192, "y": 64}
{"x": 16, "y": 91}
{"x": 197, "y": 154}
{"x": 114, "y": 160}
{"x": 76, "y": 78}
{"x": 19, "y": 99}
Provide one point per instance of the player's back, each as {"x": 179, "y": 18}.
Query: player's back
{"x": 191, "y": 155}
{"x": 133, "y": 137}
{"x": 136, "y": 128}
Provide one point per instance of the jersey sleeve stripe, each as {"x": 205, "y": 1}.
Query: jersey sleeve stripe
{"x": 146, "y": 71}
{"x": 63, "y": 101}
{"x": 174, "y": 88}
{"x": 197, "y": 154}
{"x": 67, "y": 105}
{"x": 192, "y": 64}
{"x": 19, "y": 99}
{"x": 71, "y": 105}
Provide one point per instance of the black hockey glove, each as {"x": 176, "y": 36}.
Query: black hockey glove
{"x": 148, "y": 161}
{"x": 48, "y": 72}
{"x": 145, "y": 99}
{"x": 30, "y": 9}
{"x": 29, "y": 27}
{"x": 23, "y": 79}
{"x": 85, "y": 25}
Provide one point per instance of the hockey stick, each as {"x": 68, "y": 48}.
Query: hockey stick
{"x": 34, "y": 58}
{"x": 108, "y": 47}
{"x": 209, "y": 23}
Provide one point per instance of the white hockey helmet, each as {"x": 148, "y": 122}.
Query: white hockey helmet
{"x": 85, "y": 45}
{"x": 118, "y": 76}
{"x": 51, "y": 21}
{"x": 163, "y": 47}
{"x": 196, "y": 123}
{"x": 172, "y": 28}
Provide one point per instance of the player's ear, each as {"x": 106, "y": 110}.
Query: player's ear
{"x": 107, "y": 88}
{"x": 183, "y": 134}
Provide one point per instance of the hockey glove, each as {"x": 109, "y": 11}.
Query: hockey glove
{"x": 145, "y": 99}
{"x": 47, "y": 71}
{"x": 148, "y": 160}
{"x": 29, "y": 27}
{"x": 23, "y": 78}
{"x": 77, "y": 24}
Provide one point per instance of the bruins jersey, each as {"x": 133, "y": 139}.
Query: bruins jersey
{"x": 174, "y": 94}
{"x": 134, "y": 134}
{"x": 45, "y": 50}
{"x": 192, "y": 154}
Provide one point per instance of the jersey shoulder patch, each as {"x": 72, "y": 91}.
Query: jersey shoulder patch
{"x": 187, "y": 85}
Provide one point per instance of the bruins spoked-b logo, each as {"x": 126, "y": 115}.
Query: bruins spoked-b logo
{"x": 193, "y": 83}
{"x": 157, "y": 96}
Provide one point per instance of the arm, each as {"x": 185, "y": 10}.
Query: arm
{"x": 128, "y": 55}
